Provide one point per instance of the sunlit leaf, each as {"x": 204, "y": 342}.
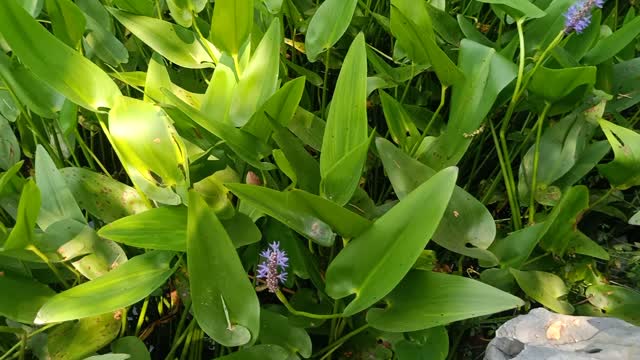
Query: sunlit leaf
{"x": 327, "y": 26}
{"x": 77, "y": 340}
{"x": 546, "y": 288}
{"x": 27, "y": 296}
{"x": 374, "y": 262}
{"x": 231, "y": 24}
{"x": 624, "y": 171}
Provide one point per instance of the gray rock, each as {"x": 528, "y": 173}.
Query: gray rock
{"x": 543, "y": 335}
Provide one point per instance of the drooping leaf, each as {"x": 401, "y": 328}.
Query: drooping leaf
{"x": 427, "y": 299}
{"x": 231, "y": 24}
{"x": 62, "y": 68}
{"x": 375, "y": 261}
{"x": 226, "y": 306}
{"x": 76, "y": 340}
{"x": 310, "y": 215}
{"x": 179, "y": 45}
{"x": 327, "y": 26}
{"x": 102, "y": 196}
{"x": 544, "y": 287}
{"x": 345, "y": 136}
{"x": 121, "y": 287}
{"x": 100, "y": 38}
{"x": 150, "y": 149}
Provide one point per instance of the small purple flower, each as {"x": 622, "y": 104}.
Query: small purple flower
{"x": 578, "y": 17}
{"x": 273, "y": 268}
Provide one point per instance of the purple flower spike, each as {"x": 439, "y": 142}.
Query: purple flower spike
{"x": 578, "y": 17}
{"x": 273, "y": 268}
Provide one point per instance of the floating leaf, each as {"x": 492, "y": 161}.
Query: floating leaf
{"x": 427, "y": 299}
{"x": 375, "y": 261}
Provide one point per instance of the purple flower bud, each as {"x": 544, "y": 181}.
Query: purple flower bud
{"x": 273, "y": 268}
{"x": 578, "y": 17}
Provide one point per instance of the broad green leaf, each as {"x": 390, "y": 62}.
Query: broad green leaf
{"x": 564, "y": 151}
{"x": 103, "y": 197}
{"x": 109, "y": 356}
{"x": 402, "y": 129}
{"x": 8, "y": 107}
{"x": 308, "y": 127}
{"x": 150, "y": 149}
{"x": 310, "y": 215}
{"x": 121, "y": 287}
{"x": 563, "y": 220}
{"x": 374, "y": 262}
{"x": 611, "y": 45}
{"x": 615, "y": 301}
{"x": 345, "y": 135}
{"x": 140, "y": 7}
{"x": 76, "y": 340}
{"x": 427, "y": 299}
{"x": 273, "y": 6}
{"x": 165, "y": 228}
{"x": 413, "y": 29}
{"x": 275, "y": 329}
{"x": 31, "y": 91}
{"x": 67, "y": 21}
{"x": 327, "y": 26}
{"x": 466, "y": 227}
{"x": 22, "y": 235}
{"x": 545, "y": 288}
{"x": 259, "y": 352}
{"x": 179, "y": 45}
{"x": 99, "y": 38}
{"x": 625, "y": 85}
{"x": 215, "y": 195}
{"x": 217, "y": 99}
{"x": 157, "y": 79}
{"x": 71, "y": 74}
{"x": 514, "y": 249}
{"x": 635, "y": 219}
{"x": 624, "y": 171}
{"x": 245, "y": 145}
{"x": 486, "y": 74}
{"x": 133, "y": 346}
{"x": 231, "y": 24}
{"x": 57, "y": 201}
{"x": 304, "y": 166}
{"x": 471, "y": 33}
{"x": 429, "y": 344}
{"x": 555, "y": 84}
{"x": 9, "y": 146}
{"x": 281, "y": 106}
{"x": 225, "y": 306}
{"x": 182, "y": 11}
{"x": 259, "y": 80}
{"x": 27, "y": 296}
{"x": 517, "y": 8}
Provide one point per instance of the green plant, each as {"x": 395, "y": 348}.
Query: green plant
{"x": 247, "y": 179}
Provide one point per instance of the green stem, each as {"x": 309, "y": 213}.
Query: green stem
{"x": 504, "y": 165}
{"x": 602, "y": 198}
{"x": 536, "y": 160}
{"x": 143, "y": 314}
{"x": 329, "y": 349}
{"x": 44, "y": 258}
{"x": 174, "y": 347}
{"x": 324, "y": 83}
{"x": 204, "y": 42}
{"x": 443, "y": 98}
{"x": 286, "y": 304}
